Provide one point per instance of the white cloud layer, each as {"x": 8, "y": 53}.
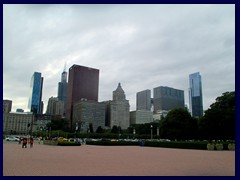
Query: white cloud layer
{"x": 141, "y": 46}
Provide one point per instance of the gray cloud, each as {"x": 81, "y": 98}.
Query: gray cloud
{"x": 141, "y": 46}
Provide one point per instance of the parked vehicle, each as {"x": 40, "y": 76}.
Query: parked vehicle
{"x": 11, "y": 138}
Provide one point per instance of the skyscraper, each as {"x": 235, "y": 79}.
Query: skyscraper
{"x": 195, "y": 95}
{"x": 82, "y": 85}
{"x": 166, "y": 98}
{"x": 62, "y": 89}
{"x": 35, "y": 103}
{"x": 55, "y": 107}
{"x": 144, "y": 100}
{"x": 118, "y": 109}
{"x": 7, "y": 106}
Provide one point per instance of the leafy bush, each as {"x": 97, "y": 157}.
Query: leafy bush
{"x": 178, "y": 144}
{"x": 112, "y": 143}
{"x": 64, "y": 143}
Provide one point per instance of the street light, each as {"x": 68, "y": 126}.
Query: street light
{"x": 134, "y": 132}
{"x": 151, "y": 131}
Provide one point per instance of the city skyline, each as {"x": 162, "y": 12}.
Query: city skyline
{"x": 140, "y": 46}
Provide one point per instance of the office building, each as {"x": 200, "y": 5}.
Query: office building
{"x": 55, "y": 107}
{"x": 82, "y": 85}
{"x": 195, "y": 95}
{"x": 19, "y": 110}
{"x": 7, "y": 106}
{"x": 118, "y": 110}
{"x": 17, "y": 123}
{"x": 35, "y": 103}
{"x": 141, "y": 117}
{"x": 87, "y": 115}
{"x": 167, "y": 98}
{"x": 144, "y": 100}
{"x": 62, "y": 89}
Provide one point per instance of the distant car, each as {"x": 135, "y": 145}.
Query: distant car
{"x": 11, "y": 139}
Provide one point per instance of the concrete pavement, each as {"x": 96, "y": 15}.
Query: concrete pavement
{"x": 88, "y": 160}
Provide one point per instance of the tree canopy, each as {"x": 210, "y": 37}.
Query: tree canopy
{"x": 219, "y": 120}
{"x": 178, "y": 124}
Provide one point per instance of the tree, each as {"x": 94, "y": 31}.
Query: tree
{"x": 218, "y": 121}
{"x": 178, "y": 124}
{"x": 58, "y": 124}
{"x": 100, "y": 130}
{"x": 115, "y": 129}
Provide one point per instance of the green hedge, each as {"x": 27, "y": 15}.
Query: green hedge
{"x": 68, "y": 144}
{"x": 178, "y": 144}
{"x": 112, "y": 143}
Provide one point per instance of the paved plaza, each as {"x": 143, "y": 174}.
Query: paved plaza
{"x": 88, "y": 160}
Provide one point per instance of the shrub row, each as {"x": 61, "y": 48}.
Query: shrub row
{"x": 112, "y": 143}
{"x": 177, "y": 144}
{"x": 68, "y": 144}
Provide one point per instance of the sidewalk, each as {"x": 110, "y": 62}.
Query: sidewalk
{"x": 86, "y": 160}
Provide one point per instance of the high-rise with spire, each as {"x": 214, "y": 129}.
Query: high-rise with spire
{"x": 62, "y": 89}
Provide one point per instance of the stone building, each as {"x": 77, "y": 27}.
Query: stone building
{"x": 141, "y": 117}
{"x": 55, "y": 106}
{"x": 118, "y": 110}
{"x": 7, "y": 106}
{"x": 17, "y": 123}
{"x": 87, "y": 115}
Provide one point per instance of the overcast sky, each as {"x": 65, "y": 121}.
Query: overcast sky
{"x": 140, "y": 46}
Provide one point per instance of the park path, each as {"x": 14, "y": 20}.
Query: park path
{"x": 88, "y": 160}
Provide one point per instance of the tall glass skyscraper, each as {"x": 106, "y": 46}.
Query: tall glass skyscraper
{"x": 195, "y": 95}
{"x": 62, "y": 89}
{"x": 35, "y": 103}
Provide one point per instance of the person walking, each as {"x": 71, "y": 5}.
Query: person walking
{"x": 31, "y": 142}
{"x": 24, "y": 143}
{"x": 39, "y": 140}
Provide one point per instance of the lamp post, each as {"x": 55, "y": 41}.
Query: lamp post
{"x": 134, "y": 132}
{"x": 151, "y": 131}
{"x": 41, "y": 128}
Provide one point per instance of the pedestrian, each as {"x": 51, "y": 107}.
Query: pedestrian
{"x": 31, "y": 142}
{"x": 39, "y": 140}
{"x": 19, "y": 141}
{"x": 24, "y": 143}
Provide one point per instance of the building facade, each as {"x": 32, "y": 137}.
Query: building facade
{"x": 87, "y": 115}
{"x": 7, "y": 106}
{"x": 19, "y": 110}
{"x": 141, "y": 117}
{"x": 118, "y": 110}
{"x": 17, "y": 123}
{"x": 40, "y": 123}
{"x": 62, "y": 90}
{"x": 167, "y": 98}
{"x": 144, "y": 100}
{"x": 35, "y": 103}
{"x": 195, "y": 95}
{"x": 83, "y": 84}
{"x": 55, "y": 107}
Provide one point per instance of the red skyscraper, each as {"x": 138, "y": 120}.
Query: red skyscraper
{"x": 82, "y": 85}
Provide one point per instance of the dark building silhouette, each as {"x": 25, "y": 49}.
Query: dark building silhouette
{"x": 62, "y": 89}
{"x": 82, "y": 85}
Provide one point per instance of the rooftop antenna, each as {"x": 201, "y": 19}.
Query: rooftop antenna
{"x": 65, "y": 67}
